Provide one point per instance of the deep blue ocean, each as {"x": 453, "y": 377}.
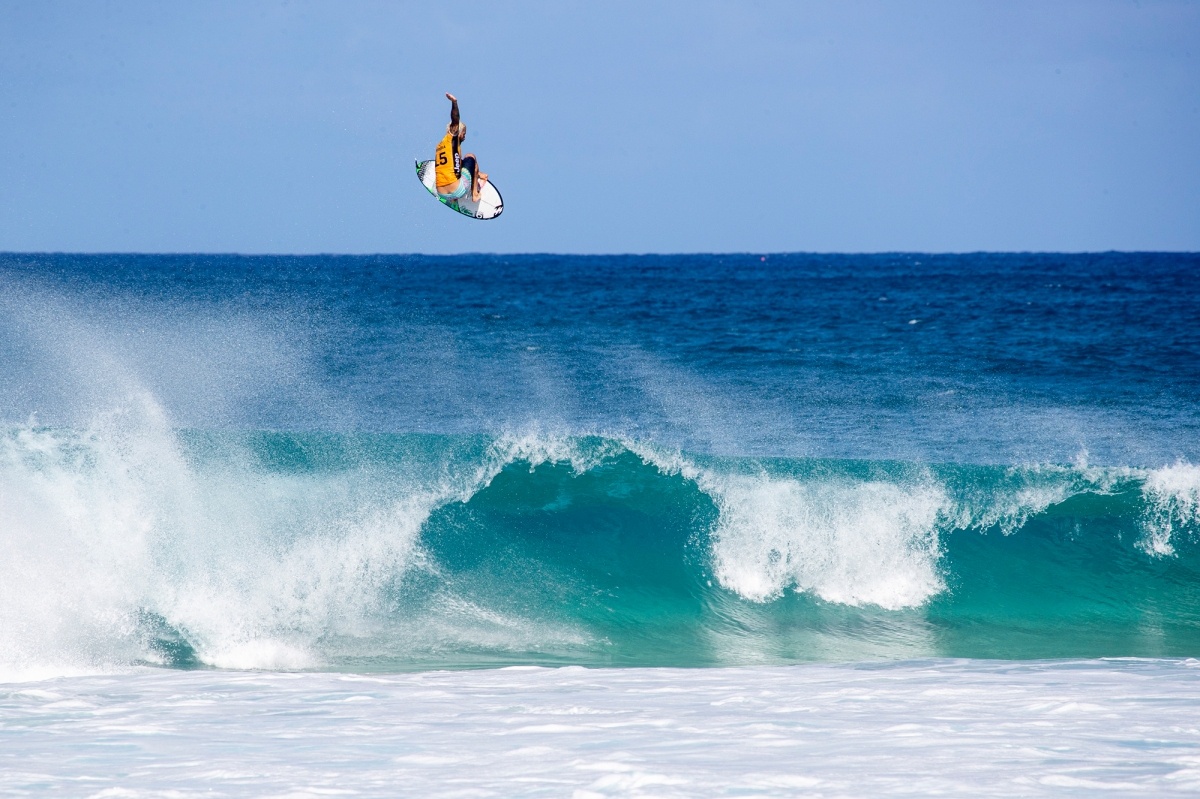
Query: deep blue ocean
{"x": 396, "y": 463}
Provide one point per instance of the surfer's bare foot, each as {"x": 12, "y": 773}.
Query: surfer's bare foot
{"x": 478, "y": 188}
{"x": 451, "y": 97}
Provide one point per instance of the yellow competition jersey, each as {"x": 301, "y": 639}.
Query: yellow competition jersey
{"x": 447, "y": 161}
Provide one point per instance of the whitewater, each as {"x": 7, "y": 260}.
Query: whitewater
{"x": 637, "y": 526}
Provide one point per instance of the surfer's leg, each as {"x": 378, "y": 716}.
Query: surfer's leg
{"x": 477, "y": 186}
{"x": 477, "y": 178}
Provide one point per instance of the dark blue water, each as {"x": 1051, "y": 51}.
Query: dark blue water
{"x": 403, "y": 461}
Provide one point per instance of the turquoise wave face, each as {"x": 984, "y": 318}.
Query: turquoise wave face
{"x": 385, "y": 552}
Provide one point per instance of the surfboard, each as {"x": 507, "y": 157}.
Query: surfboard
{"x": 490, "y": 204}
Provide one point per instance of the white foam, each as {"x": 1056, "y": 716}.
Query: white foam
{"x": 854, "y": 542}
{"x": 79, "y": 515}
{"x": 107, "y": 524}
{"x": 927, "y": 728}
{"x": 248, "y": 586}
{"x": 1172, "y": 495}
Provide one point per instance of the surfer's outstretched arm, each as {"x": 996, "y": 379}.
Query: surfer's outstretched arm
{"x": 453, "y": 109}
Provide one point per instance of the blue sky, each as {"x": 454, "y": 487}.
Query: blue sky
{"x": 611, "y": 127}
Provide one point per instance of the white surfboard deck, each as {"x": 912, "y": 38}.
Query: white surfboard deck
{"x": 490, "y": 204}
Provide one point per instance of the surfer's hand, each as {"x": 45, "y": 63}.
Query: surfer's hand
{"x": 451, "y": 97}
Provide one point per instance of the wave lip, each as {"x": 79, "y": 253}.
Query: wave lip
{"x": 848, "y": 543}
{"x": 1172, "y": 496}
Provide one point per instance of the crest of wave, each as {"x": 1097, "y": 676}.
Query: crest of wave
{"x": 81, "y": 512}
{"x": 107, "y": 524}
{"x": 852, "y": 543}
{"x": 1172, "y": 495}
{"x": 845, "y": 541}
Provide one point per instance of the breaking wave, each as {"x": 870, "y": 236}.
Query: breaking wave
{"x": 131, "y": 542}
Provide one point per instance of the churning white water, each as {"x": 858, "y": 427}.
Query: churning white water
{"x": 933, "y": 728}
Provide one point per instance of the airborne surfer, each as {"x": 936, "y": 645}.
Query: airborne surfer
{"x": 456, "y": 174}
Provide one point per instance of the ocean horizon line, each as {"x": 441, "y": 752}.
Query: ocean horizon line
{"x": 549, "y": 253}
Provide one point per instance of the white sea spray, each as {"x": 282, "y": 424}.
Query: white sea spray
{"x": 1172, "y": 495}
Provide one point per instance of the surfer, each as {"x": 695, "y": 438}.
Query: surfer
{"x": 456, "y": 174}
